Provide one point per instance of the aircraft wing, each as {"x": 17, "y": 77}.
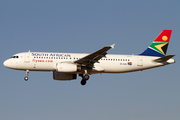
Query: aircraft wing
{"x": 92, "y": 58}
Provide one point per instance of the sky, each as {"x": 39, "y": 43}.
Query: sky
{"x": 83, "y": 26}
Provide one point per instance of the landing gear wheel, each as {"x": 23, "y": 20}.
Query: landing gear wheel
{"x": 83, "y": 82}
{"x": 26, "y": 78}
{"x": 27, "y": 73}
{"x": 86, "y": 77}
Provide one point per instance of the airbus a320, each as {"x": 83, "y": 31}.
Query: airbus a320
{"x": 66, "y": 66}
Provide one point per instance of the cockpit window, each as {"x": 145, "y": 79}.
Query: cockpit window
{"x": 15, "y": 57}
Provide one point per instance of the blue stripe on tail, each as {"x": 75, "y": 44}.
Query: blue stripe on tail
{"x": 151, "y": 52}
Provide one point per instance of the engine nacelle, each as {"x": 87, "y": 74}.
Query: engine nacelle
{"x": 64, "y": 76}
{"x": 66, "y": 67}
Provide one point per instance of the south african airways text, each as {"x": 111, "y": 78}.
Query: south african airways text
{"x": 50, "y": 55}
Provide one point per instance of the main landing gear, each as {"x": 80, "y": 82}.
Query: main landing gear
{"x": 84, "y": 78}
{"x": 27, "y": 73}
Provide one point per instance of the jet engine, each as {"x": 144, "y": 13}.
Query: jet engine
{"x": 64, "y": 76}
{"x": 66, "y": 67}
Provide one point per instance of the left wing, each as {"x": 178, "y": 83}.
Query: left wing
{"x": 92, "y": 58}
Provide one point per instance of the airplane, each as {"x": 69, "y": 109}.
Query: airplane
{"x": 66, "y": 66}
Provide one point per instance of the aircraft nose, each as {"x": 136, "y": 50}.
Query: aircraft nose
{"x": 9, "y": 63}
{"x": 6, "y": 63}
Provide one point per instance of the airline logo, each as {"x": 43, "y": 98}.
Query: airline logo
{"x": 160, "y": 44}
{"x": 161, "y": 47}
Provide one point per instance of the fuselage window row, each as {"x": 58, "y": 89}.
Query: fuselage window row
{"x": 77, "y": 58}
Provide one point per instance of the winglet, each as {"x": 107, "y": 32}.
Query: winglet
{"x": 112, "y": 46}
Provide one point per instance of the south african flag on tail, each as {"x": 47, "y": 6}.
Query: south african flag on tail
{"x": 159, "y": 46}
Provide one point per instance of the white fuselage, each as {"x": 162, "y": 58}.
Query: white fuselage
{"x": 43, "y": 61}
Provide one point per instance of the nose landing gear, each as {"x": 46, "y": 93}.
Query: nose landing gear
{"x": 27, "y": 73}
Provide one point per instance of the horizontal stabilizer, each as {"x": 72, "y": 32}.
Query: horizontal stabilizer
{"x": 164, "y": 59}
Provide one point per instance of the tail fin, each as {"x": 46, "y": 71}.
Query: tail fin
{"x": 159, "y": 46}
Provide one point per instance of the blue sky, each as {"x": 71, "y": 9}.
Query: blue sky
{"x": 83, "y": 26}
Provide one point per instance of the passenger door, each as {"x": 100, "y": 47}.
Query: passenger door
{"x": 27, "y": 58}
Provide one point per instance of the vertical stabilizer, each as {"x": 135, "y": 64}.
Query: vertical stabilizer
{"x": 159, "y": 46}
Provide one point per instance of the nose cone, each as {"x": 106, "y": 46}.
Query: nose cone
{"x": 10, "y": 63}
{"x": 6, "y": 63}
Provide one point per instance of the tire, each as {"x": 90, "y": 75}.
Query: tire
{"x": 83, "y": 82}
{"x": 26, "y": 78}
{"x": 86, "y": 77}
